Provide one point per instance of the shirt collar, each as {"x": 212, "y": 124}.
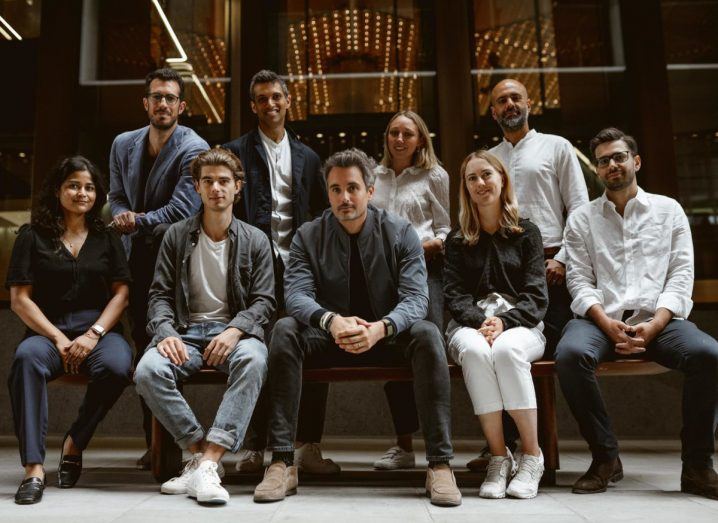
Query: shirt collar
{"x": 271, "y": 143}
{"x": 529, "y": 135}
{"x": 641, "y": 197}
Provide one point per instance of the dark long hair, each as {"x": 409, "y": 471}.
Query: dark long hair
{"x": 47, "y": 216}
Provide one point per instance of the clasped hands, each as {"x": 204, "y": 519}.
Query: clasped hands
{"x": 216, "y": 352}
{"x": 491, "y": 328}
{"x": 630, "y": 339}
{"x": 74, "y": 352}
{"x": 355, "y": 335}
{"x": 125, "y": 222}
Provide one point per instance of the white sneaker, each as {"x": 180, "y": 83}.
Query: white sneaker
{"x": 178, "y": 485}
{"x": 396, "y": 458}
{"x": 308, "y": 459}
{"x": 205, "y": 486}
{"x": 526, "y": 481}
{"x": 498, "y": 472}
{"x": 250, "y": 461}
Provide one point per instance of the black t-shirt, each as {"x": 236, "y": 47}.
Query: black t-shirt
{"x": 60, "y": 282}
{"x": 359, "y": 304}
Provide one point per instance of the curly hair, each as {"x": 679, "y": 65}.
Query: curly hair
{"x": 47, "y": 215}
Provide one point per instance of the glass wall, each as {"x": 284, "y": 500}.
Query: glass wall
{"x": 568, "y": 54}
{"x": 367, "y": 59}
{"x": 689, "y": 28}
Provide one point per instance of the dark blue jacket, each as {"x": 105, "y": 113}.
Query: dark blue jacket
{"x": 309, "y": 193}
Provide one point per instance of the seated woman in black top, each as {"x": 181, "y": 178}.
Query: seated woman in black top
{"x": 495, "y": 289}
{"x": 68, "y": 283}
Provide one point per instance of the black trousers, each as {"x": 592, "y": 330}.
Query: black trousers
{"x": 679, "y": 346}
{"x": 313, "y": 401}
{"x": 421, "y": 346}
{"x": 37, "y": 362}
{"x": 400, "y": 394}
{"x": 142, "y": 268}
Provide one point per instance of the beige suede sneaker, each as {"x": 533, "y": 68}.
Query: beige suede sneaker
{"x": 279, "y": 481}
{"x": 441, "y": 487}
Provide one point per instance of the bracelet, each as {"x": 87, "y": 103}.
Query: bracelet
{"x": 326, "y": 320}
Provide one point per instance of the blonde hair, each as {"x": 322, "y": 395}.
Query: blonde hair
{"x": 469, "y": 222}
{"x": 424, "y": 156}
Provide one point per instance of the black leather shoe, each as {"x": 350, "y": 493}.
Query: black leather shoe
{"x": 699, "y": 481}
{"x": 30, "y": 491}
{"x": 69, "y": 471}
{"x": 597, "y": 477}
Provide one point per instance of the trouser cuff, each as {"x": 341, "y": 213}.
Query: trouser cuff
{"x": 223, "y": 438}
{"x": 195, "y": 437}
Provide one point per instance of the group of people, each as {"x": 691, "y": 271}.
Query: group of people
{"x": 257, "y": 260}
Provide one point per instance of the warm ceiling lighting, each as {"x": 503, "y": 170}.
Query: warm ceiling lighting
{"x": 9, "y": 28}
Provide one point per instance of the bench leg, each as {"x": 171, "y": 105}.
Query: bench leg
{"x": 166, "y": 456}
{"x": 547, "y": 429}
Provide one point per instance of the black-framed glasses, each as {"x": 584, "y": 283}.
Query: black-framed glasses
{"x": 619, "y": 157}
{"x": 157, "y": 98}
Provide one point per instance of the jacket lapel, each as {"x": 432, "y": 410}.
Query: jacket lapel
{"x": 134, "y": 169}
{"x": 166, "y": 156}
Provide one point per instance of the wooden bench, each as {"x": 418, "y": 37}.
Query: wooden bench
{"x": 166, "y": 455}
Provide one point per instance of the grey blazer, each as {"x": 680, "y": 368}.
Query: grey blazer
{"x": 317, "y": 275}
{"x": 169, "y": 194}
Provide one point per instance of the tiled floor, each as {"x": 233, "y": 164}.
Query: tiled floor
{"x": 111, "y": 490}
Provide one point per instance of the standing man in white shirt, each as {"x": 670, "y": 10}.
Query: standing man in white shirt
{"x": 630, "y": 272}
{"x": 283, "y": 189}
{"x": 549, "y": 185}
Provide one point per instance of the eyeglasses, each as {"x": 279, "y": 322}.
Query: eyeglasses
{"x": 619, "y": 157}
{"x": 157, "y": 98}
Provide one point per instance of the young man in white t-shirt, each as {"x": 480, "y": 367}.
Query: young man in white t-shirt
{"x": 210, "y": 301}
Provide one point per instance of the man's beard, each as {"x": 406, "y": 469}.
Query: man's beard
{"x": 154, "y": 122}
{"x": 514, "y": 123}
{"x": 618, "y": 184}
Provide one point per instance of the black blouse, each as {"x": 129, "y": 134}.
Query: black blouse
{"x": 60, "y": 282}
{"x": 512, "y": 266}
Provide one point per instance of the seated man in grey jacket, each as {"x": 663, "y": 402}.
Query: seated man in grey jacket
{"x": 356, "y": 295}
{"x": 211, "y": 298}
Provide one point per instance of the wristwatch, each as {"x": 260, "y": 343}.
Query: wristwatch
{"x": 388, "y": 328}
{"x": 98, "y": 329}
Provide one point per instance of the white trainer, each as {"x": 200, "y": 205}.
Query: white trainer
{"x": 205, "y": 486}
{"x": 308, "y": 459}
{"x": 396, "y": 458}
{"x": 498, "y": 472}
{"x": 250, "y": 461}
{"x": 178, "y": 485}
{"x": 526, "y": 481}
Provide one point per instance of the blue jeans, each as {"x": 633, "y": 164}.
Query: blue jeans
{"x": 156, "y": 379}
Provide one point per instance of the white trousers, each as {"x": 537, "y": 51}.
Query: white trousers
{"x": 498, "y": 376}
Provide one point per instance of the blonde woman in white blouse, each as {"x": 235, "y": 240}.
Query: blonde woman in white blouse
{"x": 411, "y": 183}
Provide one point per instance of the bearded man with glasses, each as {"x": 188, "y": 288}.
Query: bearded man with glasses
{"x": 630, "y": 273}
{"x": 150, "y": 189}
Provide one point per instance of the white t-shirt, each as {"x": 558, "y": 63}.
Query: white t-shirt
{"x": 208, "y": 281}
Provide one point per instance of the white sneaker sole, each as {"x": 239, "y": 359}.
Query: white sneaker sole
{"x": 492, "y": 495}
{"x": 210, "y": 500}
{"x": 173, "y": 490}
{"x": 521, "y": 495}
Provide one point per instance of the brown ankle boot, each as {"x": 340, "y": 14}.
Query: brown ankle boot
{"x": 699, "y": 481}
{"x": 598, "y": 475}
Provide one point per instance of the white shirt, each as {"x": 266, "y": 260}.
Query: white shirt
{"x": 279, "y": 158}
{"x": 547, "y": 180}
{"x": 641, "y": 261}
{"x": 418, "y": 195}
{"x": 208, "y": 281}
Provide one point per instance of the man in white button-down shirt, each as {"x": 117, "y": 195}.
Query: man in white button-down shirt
{"x": 630, "y": 273}
{"x": 549, "y": 185}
